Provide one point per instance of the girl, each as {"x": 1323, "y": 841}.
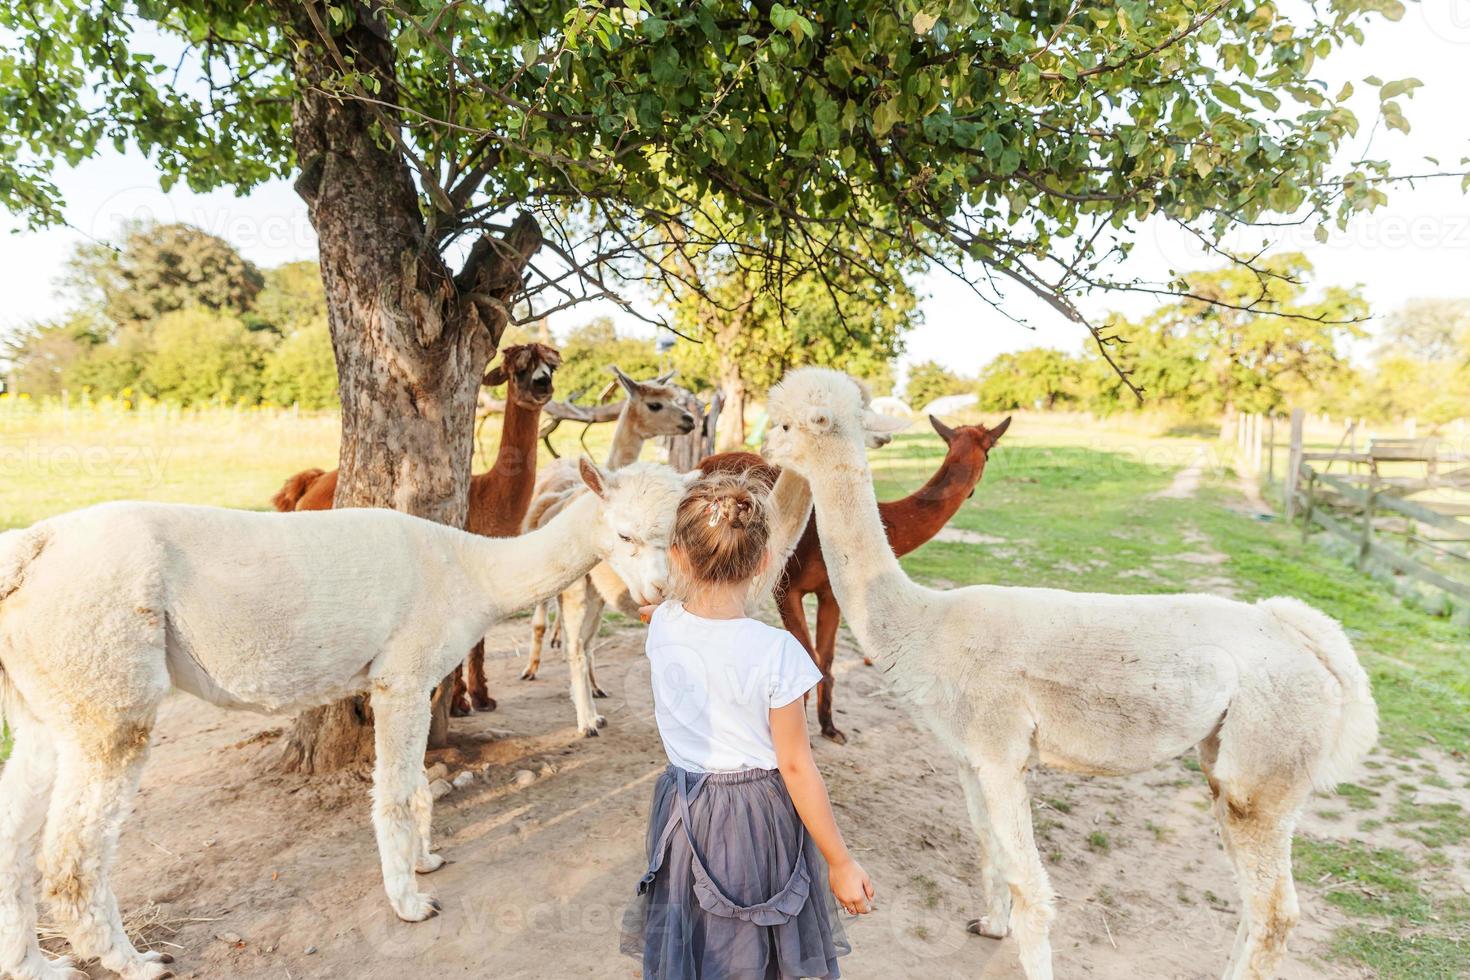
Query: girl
{"x": 742, "y": 843}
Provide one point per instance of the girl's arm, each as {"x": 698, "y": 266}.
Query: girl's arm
{"x": 850, "y": 883}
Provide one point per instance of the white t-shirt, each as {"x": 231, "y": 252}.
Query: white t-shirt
{"x": 715, "y": 682}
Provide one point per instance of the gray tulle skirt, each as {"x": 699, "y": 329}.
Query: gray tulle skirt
{"x": 735, "y": 890}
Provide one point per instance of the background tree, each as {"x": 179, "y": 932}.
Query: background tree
{"x": 1421, "y": 366}
{"x": 1244, "y": 339}
{"x": 1036, "y": 378}
{"x": 275, "y": 348}
{"x": 928, "y": 380}
{"x": 589, "y": 350}
{"x": 162, "y": 268}
{"x": 740, "y": 337}
{"x": 416, "y": 130}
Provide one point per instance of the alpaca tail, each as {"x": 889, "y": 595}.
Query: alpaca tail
{"x": 18, "y": 549}
{"x": 294, "y": 489}
{"x": 1357, "y": 719}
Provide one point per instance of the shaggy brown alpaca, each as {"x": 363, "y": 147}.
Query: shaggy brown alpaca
{"x": 499, "y": 498}
{"x": 908, "y": 522}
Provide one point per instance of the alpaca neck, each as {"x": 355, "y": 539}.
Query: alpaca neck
{"x": 500, "y": 497}
{"x": 916, "y": 518}
{"x": 518, "y": 572}
{"x": 626, "y": 442}
{"x": 869, "y": 584}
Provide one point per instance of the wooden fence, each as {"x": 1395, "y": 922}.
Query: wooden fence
{"x": 1361, "y": 496}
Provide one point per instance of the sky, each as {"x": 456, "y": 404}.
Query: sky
{"x": 1416, "y": 246}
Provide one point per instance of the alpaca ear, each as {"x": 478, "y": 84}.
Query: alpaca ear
{"x": 496, "y": 376}
{"x": 594, "y": 478}
{"x": 692, "y": 477}
{"x": 550, "y": 356}
{"x": 882, "y": 425}
{"x": 992, "y": 436}
{"x": 664, "y": 379}
{"x": 945, "y": 432}
{"x": 629, "y": 385}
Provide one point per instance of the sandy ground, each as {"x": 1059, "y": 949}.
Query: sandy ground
{"x": 251, "y": 874}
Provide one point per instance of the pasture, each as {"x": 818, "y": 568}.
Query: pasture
{"x": 261, "y": 875}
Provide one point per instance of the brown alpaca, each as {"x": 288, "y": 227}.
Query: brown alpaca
{"x": 908, "y": 522}
{"x": 499, "y": 498}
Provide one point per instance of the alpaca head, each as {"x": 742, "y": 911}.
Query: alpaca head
{"x": 656, "y": 408}
{"x": 638, "y": 505}
{"x": 970, "y": 443}
{"x": 528, "y": 369}
{"x": 820, "y": 417}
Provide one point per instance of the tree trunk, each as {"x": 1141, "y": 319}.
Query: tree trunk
{"x": 731, "y": 434}
{"x": 411, "y": 344}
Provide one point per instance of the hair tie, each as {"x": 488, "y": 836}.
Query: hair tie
{"x": 714, "y": 512}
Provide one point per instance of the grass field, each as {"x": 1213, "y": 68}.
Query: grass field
{"x": 1061, "y": 505}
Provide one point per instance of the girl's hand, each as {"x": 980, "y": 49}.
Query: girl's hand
{"x": 645, "y": 613}
{"x": 852, "y": 887}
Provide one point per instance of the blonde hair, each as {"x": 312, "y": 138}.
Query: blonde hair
{"x": 722, "y": 529}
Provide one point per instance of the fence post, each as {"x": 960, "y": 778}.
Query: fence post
{"x": 1365, "y": 538}
{"x": 1307, "y": 510}
{"x": 1270, "y": 449}
{"x": 1294, "y": 461}
{"x": 1256, "y": 442}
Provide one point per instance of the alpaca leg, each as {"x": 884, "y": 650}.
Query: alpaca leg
{"x": 400, "y": 810}
{"x": 1003, "y": 791}
{"x": 459, "y": 702}
{"x": 593, "y": 621}
{"x": 25, "y": 790}
{"x": 793, "y": 617}
{"x": 475, "y": 679}
{"x": 996, "y": 922}
{"x": 828, "y": 616}
{"x": 1260, "y": 849}
{"x": 427, "y": 861}
{"x": 538, "y": 636}
{"x": 574, "y": 617}
{"x": 95, "y": 786}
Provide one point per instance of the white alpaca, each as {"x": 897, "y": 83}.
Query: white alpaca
{"x": 653, "y": 408}
{"x": 1271, "y": 692}
{"x": 103, "y": 610}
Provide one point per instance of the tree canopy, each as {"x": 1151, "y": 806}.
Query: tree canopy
{"x": 1024, "y": 135}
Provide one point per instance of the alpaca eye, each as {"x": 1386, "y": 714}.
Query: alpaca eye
{"x": 785, "y": 426}
{"x": 626, "y": 538}
{"x": 655, "y": 406}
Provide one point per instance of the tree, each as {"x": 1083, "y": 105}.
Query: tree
{"x": 162, "y": 268}
{"x": 200, "y": 356}
{"x": 292, "y": 297}
{"x": 301, "y": 369}
{"x": 1036, "y": 378}
{"x": 743, "y": 338}
{"x": 42, "y": 354}
{"x": 1244, "y": 339}
{"x": 841, "y": 131}
{"x": 928, "y": 381}
{"x": 589, "y": 350}
{"x": 1428, "y": 330}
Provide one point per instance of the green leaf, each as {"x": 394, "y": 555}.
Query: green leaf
{"x": 1404, "y": 86}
